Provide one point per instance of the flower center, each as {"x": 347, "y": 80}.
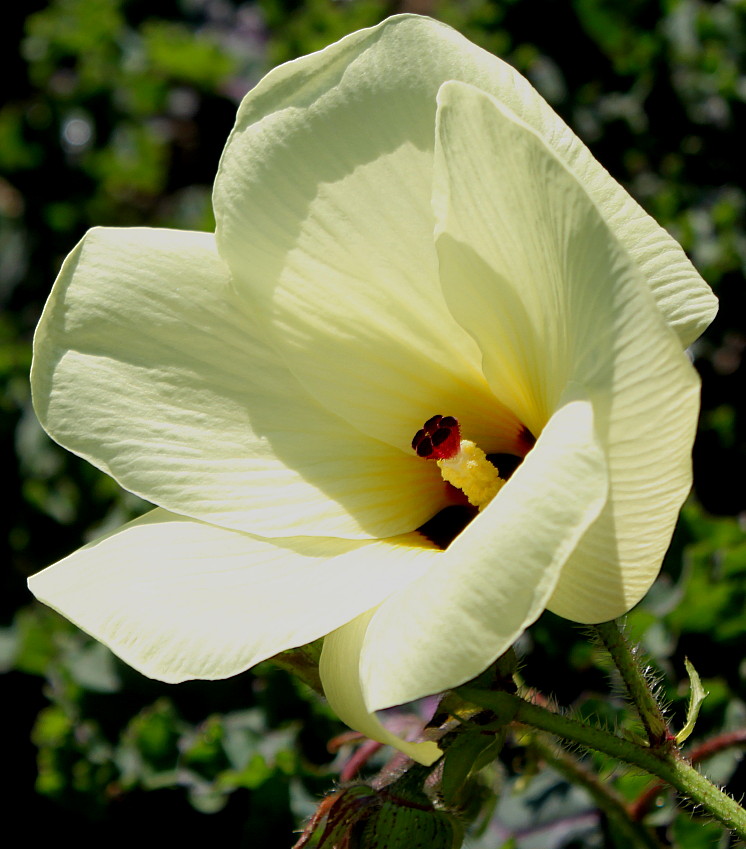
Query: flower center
{"x": 462, "y": 463}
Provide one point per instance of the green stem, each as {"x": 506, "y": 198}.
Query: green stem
{"x": 635, "y": 682}
{"x": 702, "y": 752}
{"x": 666, "y": 764}
{"x": 632, "y": 834}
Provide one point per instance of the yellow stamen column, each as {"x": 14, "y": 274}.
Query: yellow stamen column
{"x": 470, "y": 471}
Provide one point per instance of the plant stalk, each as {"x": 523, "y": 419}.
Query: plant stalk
{"x": 637, "y": 685}
{"x": 667, "y": 764}
{"x": 634, "y": 834}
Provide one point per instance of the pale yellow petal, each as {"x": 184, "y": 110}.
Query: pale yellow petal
{"x": 322, "y": 203}
{"x": 149, "y": 365}
{"x": 340, "y": 675}
{"x": 179, "y": 599}
{"x": 533, "y": 271}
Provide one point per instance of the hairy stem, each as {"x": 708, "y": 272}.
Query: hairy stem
{"x": 703, "y": 751}
{"x": 634, "y": 834}
{"x": 634, "y": 679}
{"x": 666, "y": 764}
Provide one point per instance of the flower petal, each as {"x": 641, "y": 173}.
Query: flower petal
{"x": 532, "y": 270}
{"x": 149, "y": 366}
{"x": 179, "y": 599}
{"x": 324, "y": 216}
{"x": 339, "y": 671}
{"x": 495, "y": 578}
{"x": 322, "y": 203}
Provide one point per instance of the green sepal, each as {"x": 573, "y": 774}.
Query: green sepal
{"x": 337, "y": 818}
{"x": 503, "y": 705}
{"x": 303, "y": 663}
{"x": 469, "y": 752}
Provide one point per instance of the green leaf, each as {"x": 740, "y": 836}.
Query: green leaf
{"x": 468, "y": 753}
{"x": 697, "y": 695}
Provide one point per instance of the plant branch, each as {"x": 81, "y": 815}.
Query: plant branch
{"x": 705, "y": 750}
{"x": 634, "y": 834}
{"x": 666, "y": 764}
{"x": 637, "y": 685}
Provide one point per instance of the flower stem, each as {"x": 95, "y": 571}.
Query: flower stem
{"x": 634, "y": 834}
{"x": 637, "y": 685}
{"x": 667, "y": 764}
{"x": 703, "y": 751}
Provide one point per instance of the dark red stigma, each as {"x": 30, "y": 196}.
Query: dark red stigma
{"x": 439, "y": 438}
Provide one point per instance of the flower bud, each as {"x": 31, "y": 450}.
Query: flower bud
{"x": 398, "y": 825}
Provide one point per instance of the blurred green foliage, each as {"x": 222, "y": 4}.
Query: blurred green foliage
{"x": 115, "y": 112}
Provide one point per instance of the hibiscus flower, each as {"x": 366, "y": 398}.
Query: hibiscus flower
{"x": 425, "y": 381}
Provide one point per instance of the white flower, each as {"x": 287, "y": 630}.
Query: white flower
{"x": 405, "y": 228}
